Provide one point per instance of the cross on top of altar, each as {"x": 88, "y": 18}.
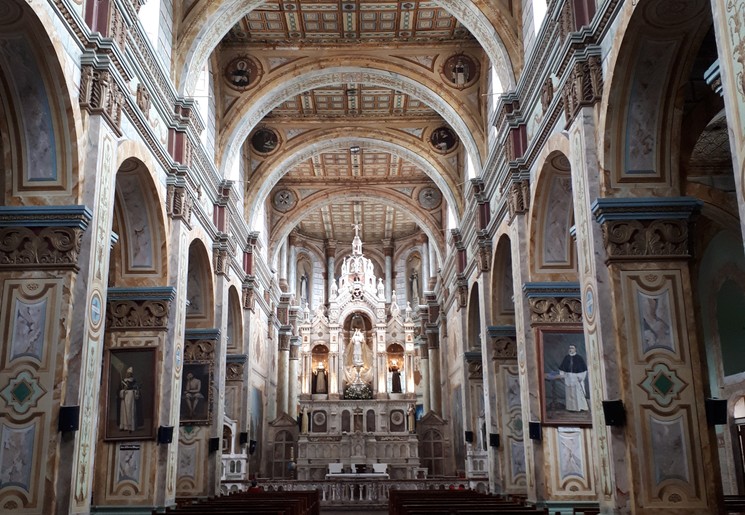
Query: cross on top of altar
{"x": 357, "y": 242}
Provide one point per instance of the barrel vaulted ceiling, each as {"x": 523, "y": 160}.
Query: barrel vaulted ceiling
{"x": 364, "y": 143}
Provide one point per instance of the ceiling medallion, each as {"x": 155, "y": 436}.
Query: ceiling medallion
{"x": 460, "y": 71}
{"x": 264, "y": 141}
{"x": 243, "y": 73}
{"x": 443, "y": 140}
{"x": 284, "y": 200}
{"x": 429, "y": 198}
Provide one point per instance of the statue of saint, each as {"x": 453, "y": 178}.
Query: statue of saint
{"x": 357, "y": 339}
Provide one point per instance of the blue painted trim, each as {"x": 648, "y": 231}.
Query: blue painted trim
{"x": 647, "y": 208}
{"x": 45, "y": 216}
{"x": 202, "y": 334}
{"x": 154, "y": 293}
{"x": 562, "y": 289}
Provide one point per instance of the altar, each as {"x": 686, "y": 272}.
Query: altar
{"x": 358, "y": 397}
{"x": 364, "y": 475}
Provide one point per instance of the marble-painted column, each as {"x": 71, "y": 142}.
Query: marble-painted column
{"x": 424, "y": 381}
{"x": 510, "y": 455}
{"x": 293, "y": 376}
{"x": 433, "y": 348}
{"x": 489, "y": 376}
{"x": 527, "y": 352}
{"x": 425, "y": 266}
{"x": 433, "y": 268}
{"x": 605, "y": 376}
{"x": 330, "y": 266}
{"x": 222, "y": 307}
{"x": 282, "y": 265}
{"x": 388, "y": 253}
{"x": 730, "y": 39}
{"x": 283, "y": 368}
{"x": 292, "y": 268}
{"x": 671, "y": 451}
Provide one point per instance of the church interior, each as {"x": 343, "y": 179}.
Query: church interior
{"x": 492, "y": 244}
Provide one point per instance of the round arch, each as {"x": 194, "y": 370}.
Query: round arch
{"x": 206, "y": 25}
{"x": 40, "y": 123}
{"x": 251, "y": 110}
{"x": 139, "y": 220}
{"x": 199, "y": 286}
{"x": 270, "y": 175}
{"x": 384, "y": 196}
{"x": 640, "y": 113}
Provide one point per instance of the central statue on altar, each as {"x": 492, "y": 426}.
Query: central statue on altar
{"x": 358, "y": 357}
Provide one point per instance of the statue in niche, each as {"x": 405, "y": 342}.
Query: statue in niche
{"x": 395, "y": 376}
{"x": 414, "y": 285}
{"x": 320, "y": 380}
{"x": 358, "y": 353}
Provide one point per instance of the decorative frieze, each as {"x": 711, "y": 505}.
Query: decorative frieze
{"x": 583, "y": 87}
{"x": 547, "y": 93}
{"x": 554, "y": 303}
{"x": 519, "y": 197}
{"x": 221, "y": 254}
{"x": 474, "y": 364}
{"x": 45, "y": 237}
{"x": 143, "y": 99}
{"x": 235, "y": 364}
{"x": 646, "y": 228}
{"x": 199, "y": 345}
{"x": 138, "y": 308}
{"x": 179, "y": 203}
{"x": 100, "y": 94}
{"x": 503, "y": 342}
{"x": 249, "y": 293}
{"x": 484, "y": 252}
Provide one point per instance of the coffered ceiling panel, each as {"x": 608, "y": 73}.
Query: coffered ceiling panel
{"x": 347, "y": 100}
{"x": 290, "y": 22}
{"x": 378, "y": 222}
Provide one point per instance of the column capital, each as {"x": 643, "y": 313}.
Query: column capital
{"x": 639, "y": 229}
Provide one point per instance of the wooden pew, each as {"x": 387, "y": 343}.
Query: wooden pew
{"x": 453, "y": 502}
{"x": 260, "y": 503}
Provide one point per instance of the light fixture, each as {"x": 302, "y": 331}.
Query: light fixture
{"x": 354, "y": 150}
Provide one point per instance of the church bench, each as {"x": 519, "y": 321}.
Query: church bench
{"x": 442, "y": 502}
{"x": 262, "y": 503}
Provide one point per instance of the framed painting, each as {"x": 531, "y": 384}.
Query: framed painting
{"x": 196, "y": 394}
{"x": 131, "y": 394}
{"x": 565, "y": 388}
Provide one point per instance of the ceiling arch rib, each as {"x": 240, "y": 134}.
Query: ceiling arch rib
{"x": 252, "y": 111}
{"x": 331, "y": 196}
{"x": 269, "y": 177}
{"x": 209, "y": 21}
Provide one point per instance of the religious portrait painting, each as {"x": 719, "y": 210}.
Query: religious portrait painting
{"x": 131, "y": 394}
{"x": 242, "y": 73}
{"x": 460, "y": 71}
{"x": 196, "y": 396}
{"x": 565, "y": 387}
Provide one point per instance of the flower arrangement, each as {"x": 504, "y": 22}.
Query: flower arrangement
{"x": 358, "y": 391}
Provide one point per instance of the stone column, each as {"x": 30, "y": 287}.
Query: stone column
{"x": 283, "y": 365}
{"x": 433, "y": 347}
{"x": 41, "y": 289}
{"x": 282, "y": 266}
{"x": 656, "y": 359}
{"x": 424, "y": 382}
{"x": 527, "y": 350}
{"x": 388, "y": 253}
{"x": 505, "y": 401}
{"x": 293, "y": 376}
{"x": 330, "y": 266}
{"x": 425, "y": 265}
{"x": 292, "y": 268}
{"x": 432, "y": 267}
{"x": 730, "y": 70}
